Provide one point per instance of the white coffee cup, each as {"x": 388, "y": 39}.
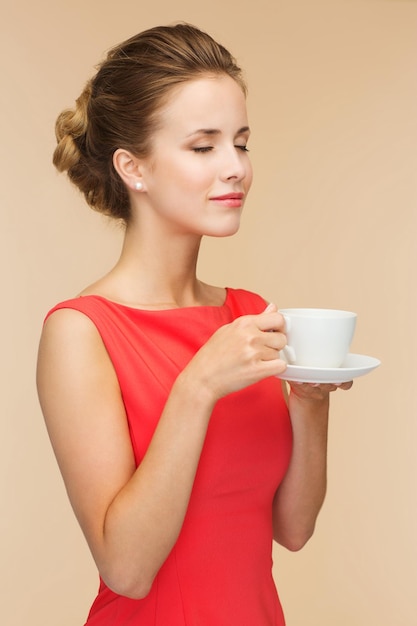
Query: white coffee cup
{"x": 318, "y": 337}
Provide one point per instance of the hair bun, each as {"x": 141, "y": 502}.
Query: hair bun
{"x": 70, "y": 130}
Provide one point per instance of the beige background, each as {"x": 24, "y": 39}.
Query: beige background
{"x": 331, "y": 221}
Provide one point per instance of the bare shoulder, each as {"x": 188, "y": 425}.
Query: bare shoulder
{"x": 67, "y": 322}
{"x": 72, "y": 359}
{"x": 68, "y": 338}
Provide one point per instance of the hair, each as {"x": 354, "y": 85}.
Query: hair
{"x": 119, "y": 107}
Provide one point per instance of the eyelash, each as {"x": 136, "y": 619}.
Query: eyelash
{"x": 204, "y": 149}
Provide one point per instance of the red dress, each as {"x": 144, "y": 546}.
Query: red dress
{"x": 219, "y": 572}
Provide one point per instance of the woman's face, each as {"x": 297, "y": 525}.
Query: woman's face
{"x": 198, "y": 173}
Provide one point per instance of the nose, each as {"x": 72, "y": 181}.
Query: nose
{"x": 236, "y": 165}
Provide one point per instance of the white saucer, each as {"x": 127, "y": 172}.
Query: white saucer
{"x": 353, "y": 366}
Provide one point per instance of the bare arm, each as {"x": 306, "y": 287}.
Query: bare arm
{"x": 131, "y": 517}
{"x": 301, "y": 494}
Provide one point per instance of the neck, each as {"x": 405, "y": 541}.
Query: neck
{"x": 155, "y": 274}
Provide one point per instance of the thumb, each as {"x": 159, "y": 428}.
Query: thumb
{"x": 271, "y": 308}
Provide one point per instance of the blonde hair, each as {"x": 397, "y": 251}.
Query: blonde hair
{"x": 119, "y": 105}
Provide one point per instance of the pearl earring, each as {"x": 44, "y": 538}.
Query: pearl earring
{"x": 138, "y": 186}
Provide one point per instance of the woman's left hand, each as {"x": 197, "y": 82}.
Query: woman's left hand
{"x": 317, "y": 391}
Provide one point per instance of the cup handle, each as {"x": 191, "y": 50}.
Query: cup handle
{"x": 289, "y": 354}
{"x": 288, "y": 351}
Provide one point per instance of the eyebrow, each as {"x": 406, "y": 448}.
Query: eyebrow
{"x": 215, "y": 131}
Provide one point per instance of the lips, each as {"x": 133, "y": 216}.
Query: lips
{"x": 229, "y": 196}
{"x": 229, "y": 199}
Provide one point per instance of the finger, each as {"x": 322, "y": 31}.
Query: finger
{"x": 275, "y": 340}
{"x": 309, "y": 391}
{"x": 271, "y": 320}
{"x": 330, "y": 387}
{"x": 270, "y": 354}
{"x": 345, "y": 386}
{"x": 317, "y": 391}
{"x": 326, "y": 387}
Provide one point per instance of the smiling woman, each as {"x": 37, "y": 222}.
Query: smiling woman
{"x": 197, "y": 161}
{"x": 176, "y": 442}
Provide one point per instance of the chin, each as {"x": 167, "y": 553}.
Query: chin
{"x": 223, "y": 234}
{"x": 226, "y": 230}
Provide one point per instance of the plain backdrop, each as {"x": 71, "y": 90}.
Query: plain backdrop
{"x": 330, "y": 222}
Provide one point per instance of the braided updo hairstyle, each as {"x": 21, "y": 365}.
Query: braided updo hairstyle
{"x": 119, "y": 105}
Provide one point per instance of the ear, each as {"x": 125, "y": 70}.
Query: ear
{"x": 128, "y": 168}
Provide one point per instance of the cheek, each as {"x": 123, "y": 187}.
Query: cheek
{"x": 195, "y": 178}
{"x": 188, "y": 174}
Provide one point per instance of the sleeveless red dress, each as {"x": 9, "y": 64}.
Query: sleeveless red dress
{"x": 219, "y": 572}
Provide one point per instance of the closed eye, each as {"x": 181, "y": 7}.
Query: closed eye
{"x": 203, "y": 149}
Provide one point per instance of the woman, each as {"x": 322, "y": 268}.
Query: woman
{"x": 181, "y": 455}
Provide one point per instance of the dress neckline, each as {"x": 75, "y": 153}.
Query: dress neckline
{"x": 114, "y": 303}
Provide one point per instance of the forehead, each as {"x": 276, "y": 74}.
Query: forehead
{"x": 209, "y": 101}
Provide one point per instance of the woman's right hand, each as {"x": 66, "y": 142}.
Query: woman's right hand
{"x": 239, "y": 354}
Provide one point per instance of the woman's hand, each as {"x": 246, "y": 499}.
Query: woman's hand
{"x": 317, "y": 391}
{"x": 239, "y": 354}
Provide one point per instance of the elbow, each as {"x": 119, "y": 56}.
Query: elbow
{"x": 295, "y": 544}
{"x": 134, "y": 592}
{"x": 294, "y": 541}
{"x": 134, "y": 588}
